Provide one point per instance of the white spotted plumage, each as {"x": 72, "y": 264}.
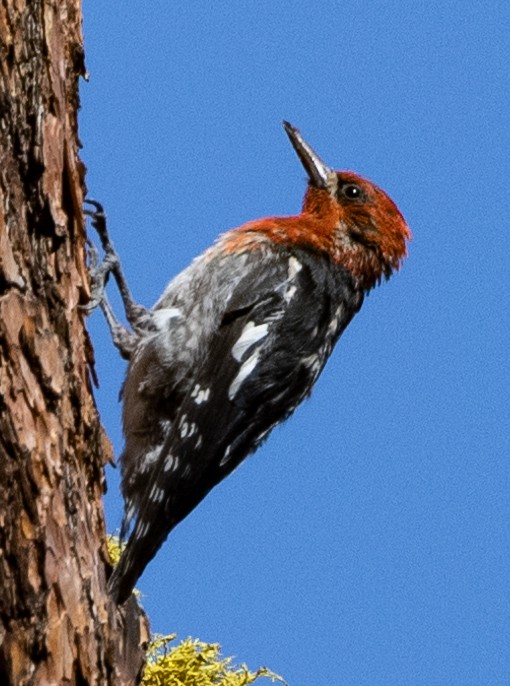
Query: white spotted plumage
{"x": 236, "y": 342}
{"x": 250, "y": 335}
{"x": 220, "y": 366}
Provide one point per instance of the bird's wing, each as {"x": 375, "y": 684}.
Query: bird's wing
{"x": 276, "y": 333}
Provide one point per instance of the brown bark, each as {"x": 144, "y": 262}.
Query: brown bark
{"x": 56, "y": 622}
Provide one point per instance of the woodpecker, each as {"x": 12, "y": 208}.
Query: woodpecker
{"x": 236, "y": 342}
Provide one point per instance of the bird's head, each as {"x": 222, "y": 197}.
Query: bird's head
{"x": 362, "y": 225}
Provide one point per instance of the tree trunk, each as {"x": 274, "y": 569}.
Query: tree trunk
{"x": 57, "y": 625}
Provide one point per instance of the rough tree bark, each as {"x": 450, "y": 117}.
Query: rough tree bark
{"x": 56, "y": 623}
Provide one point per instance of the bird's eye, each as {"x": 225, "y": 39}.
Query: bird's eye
{"x": 352, "y": 191}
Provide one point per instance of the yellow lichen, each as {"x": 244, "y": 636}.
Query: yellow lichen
{"x": 191, "y": 662}
{"x": 115, "y": 548}
{"x": 195, "y": 663}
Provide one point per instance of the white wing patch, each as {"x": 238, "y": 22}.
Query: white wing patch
{"x": 295, "y": 266}
{"x": 171, "y": 463}
{"x": 313, "y": 363}
{"x": 200, "y": 395}
{"x": 187, "y": 429}
{"x": 226, "y": 456}
{"x": 289, "y": 293}
{"x": 156, "y": 494}
{"x": 142, "y": 529}
{"x": 243, "y": 373}
{"x": 150, "y": 457}
{"x": 130, "y": 512}
{"x": 162, "y": 317}
{"x": 333, "y": 324}
{"x": 250, "y": 335}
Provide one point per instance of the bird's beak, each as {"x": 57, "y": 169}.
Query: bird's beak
{"x": 318, "y": 172}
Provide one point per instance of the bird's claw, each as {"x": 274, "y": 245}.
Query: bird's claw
{"x": 100, "y": 272}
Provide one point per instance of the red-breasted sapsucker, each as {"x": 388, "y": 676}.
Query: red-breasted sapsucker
{"x": 237, "y": 341}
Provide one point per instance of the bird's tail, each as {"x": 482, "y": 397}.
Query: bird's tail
{"x": 124, "y": 577}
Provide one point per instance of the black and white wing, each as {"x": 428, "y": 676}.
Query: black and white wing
{"x": 276, "y": 333}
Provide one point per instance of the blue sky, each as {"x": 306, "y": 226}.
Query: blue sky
{"x": 368, "y": 541}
